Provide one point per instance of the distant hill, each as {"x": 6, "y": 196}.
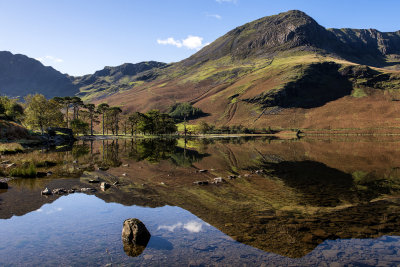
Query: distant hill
{"x": 21, "y": 75}
{"x": 115, "y": 79}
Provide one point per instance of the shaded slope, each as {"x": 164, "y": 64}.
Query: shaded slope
{"x": 21, "y": 75}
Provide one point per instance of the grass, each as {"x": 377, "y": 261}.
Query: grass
{"x": 189, "y": 127}
{"x": 10, "y": 148}
{"x": 24, "y": 171}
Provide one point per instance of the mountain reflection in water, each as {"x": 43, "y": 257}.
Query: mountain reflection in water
{"x": 286, "y": 198}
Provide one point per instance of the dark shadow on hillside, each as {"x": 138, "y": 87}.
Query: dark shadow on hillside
{"x": 319, "y": 84}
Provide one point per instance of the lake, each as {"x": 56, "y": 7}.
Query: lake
{"x": 315, "y": 201}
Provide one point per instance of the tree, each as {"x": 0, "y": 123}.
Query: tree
{"x": 92, "y": 113}
{"x": 133, "y": 120}
{"x": 183, "y": 111}
{"x": 102, "y": 109}
{"x": 204, "y": 127}
{"x": 76, "y": 104}
{"x": 10, "y": 109}
{"x": 114, "y": 113}
{"x": 66, "y": 102}
{"x": 79, "y": 126}
{"x": 42, "y": 113}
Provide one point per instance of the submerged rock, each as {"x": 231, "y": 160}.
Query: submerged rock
{"x": 60, "y": 191}
{"x": 201, "y": 182}
{"x": 135, "y": 237}
{"x": 218, "y": 180}
{"x": 88, "y": 189}
{"x": 47, "y": 192}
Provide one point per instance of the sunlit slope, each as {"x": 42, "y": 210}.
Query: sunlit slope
{"x": 282, "y": 71}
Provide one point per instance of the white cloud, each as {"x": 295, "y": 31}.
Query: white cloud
{"x": 49, "y": 59}
{"x": 214, "y": 16}
{"x": 191, "y": 42}
{"x": 170, "y": 41}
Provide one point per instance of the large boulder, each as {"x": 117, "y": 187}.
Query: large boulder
{"x": 135, "y": 237}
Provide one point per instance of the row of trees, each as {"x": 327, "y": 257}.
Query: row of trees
{"x": 39, "y": 113}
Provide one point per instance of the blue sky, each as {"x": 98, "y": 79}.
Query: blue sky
{"x": 81, "y": 36}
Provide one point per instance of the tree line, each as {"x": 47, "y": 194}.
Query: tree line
{"x": 39, "y": 113}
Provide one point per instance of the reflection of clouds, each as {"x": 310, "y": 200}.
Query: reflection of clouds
{"x": 54, "y": 210}
{"x": 170, "y": 228}
{"x": 191, "y": 226}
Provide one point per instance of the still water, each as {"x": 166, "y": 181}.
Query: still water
{"x": 326, "y": 202}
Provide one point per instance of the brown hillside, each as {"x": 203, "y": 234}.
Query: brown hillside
{"x": 305, "y": 77}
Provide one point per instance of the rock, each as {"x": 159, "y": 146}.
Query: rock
{"x": 201, "y": 182}
{"x": 75, "y": 162}
{"x": 104, "y": 185}
{"x": 103, "y": 168}
{"x": 94, "y": 181}
{"x": 47, "y": 192}
{"x": 259, "y": 171}
{"x": 232, "y": 177}
{"x": 218, "y": 180}
{"x": 60, "y": 191}
{"x": 88, "y": 189}
{"x": 124, "y": 174}
{"x": 71, "y": 191}
{"x": 162, "y": 183}
{"x": 3, "y": 185}
{"x": 135, "y": 237}
{"x": 5, "y": 162}
{"x": 49, "y": 173}
{"x": 203, "y": 170}
{"x": 125, "y": 165}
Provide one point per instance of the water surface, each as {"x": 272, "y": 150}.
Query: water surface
{"x": 293, "y": 202}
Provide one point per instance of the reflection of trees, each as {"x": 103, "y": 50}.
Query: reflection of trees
{"x": 80, "y": 150}
{"x": 186, "y": 157}
{"x": 155, "y": 150}
{"x": 111, "y": 154}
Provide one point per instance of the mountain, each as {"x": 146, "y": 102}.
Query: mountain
{"x": 268, "y": 36}
{"x": 115, "y": 79}
{"x": 283, "y": 71}
{"x": 21, "y": 75}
